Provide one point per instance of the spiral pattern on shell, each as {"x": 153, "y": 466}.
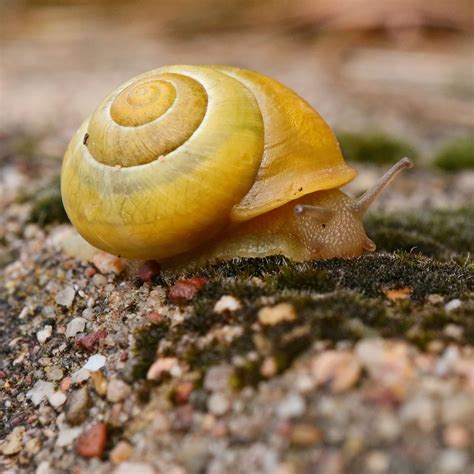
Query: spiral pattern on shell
{"x": 175, "y": 155}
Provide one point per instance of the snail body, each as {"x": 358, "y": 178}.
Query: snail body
{"x": 212, "y": 162}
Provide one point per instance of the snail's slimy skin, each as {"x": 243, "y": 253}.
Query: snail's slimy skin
{"x": 282, "y": 232}
{"x": 196, "y": 162}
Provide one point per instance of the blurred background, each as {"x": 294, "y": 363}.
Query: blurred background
{"x": 391, "y": 78}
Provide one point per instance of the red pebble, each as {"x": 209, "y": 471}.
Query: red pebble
{"x": 185, "y": 290}
{"x": 90, "y": 272}
{"x": 91, "y": 443}
{"x": 90, "y": 342}
{"x": 124, "y": 356}
{"x": 154, "y": 317}
{"x": 148, "y": 271}
{"x": 182, "y": 392}
{"x": 2, "y": 374}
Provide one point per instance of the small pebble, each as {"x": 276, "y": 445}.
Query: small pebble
{"x": 95, "y": 362}
{"x": 74, "y": 326}
{"x": 107, "y": 263}
{"x": 100, "y": 382}
{"x": 44, "y": 468}
{"x": 99, "y": 280}
{"x": 291, "y": 407}
{"x": 77, "y": 405}
{"x": 136, "y": 468}
{"x": 218, "y": 404}
{"x": 91, "y": 342}
{"x": 452, "y": 305}
{"x": 55, "y": 374}
{"x": 453, "y": 460}
{"x": 117, "y": 390}
{"x": 305, "y": 434}
{"x": 160, "y": 366}
{"x": 57, "y": 399}
{"x": 456, "y": 436}
{"x": 277, "y": 314}
{"x": 66, "y": 297}
{"x": 13, "y": 442}
{"x": 148, "y": 271}
{"x": 217, "y": 378}
{"x": 80, "y": 376}
{"x": 454, "y": 331}
{"x": 227, "y": 303}
{"x": 41, "y": 390}
{"x": 337, "y": 370}
{"x": 121, "y": 452}
{"x": 91, "y": 443}
{"x": 377, "y": 461}
{"x": 185, "y": 290}
{"x": 154, "y": 317}
{"x": 43, "y": 334}
{"x": 67, "y": 435}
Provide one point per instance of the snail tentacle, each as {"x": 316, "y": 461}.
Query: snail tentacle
{"x": 362, "y": 204}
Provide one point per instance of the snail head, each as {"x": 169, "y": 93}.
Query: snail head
{"x": 331, "y": 225}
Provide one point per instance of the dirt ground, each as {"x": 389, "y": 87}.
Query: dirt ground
{"x": 253, "y": 365}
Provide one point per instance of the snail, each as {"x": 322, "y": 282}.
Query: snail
{"x": 202, "y": 163}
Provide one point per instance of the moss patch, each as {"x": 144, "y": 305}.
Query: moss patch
{"x": 376, "y": 148}
{"x": 434, "y": 233}
{"x": 334, "y": 300}
{"x": 47, "y": 205}
{"x": 456, "y": 156}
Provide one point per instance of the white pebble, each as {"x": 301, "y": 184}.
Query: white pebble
{"x": 292, "y": 406}
{"x": 43, "y": 468}
{"x": 41, "y": 389}
{"x": 75, "y": 326}
{"x": 452, "y": 305}
{"x": 66, "y": 296}
{"x": 95, "y": 362}
{"x": 218, "y": 404}
{"x": 135, "y": 467}
{"x": 227, "y": 303}
{"x": 67, "y": 435}
{"x": 80, "y": 376}
{"x": 43, "y": 334}
{"x": 57, "y": 399}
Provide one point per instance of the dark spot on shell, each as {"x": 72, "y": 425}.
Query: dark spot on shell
{"x": 84, "y": 140}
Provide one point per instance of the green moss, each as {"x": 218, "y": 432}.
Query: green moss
{"x": 435, "y": 233}
{"x": 146, "y": 343}
{"x": 47, "y": 205}
{"x": 376, "y": 148}
{"x": 335, "y": 300}
{"x": 456, "y": 156}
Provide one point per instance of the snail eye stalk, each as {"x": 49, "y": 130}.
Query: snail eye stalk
{"x": 362, "y": 204}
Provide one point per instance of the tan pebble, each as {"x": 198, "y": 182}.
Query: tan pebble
{"x": 134, "y": 468}
{"x": 99, "y": 280}
{"x": 276, "y": 314}
{"x": 336, "y": 369}
{"x": 398, "y": 293}
{"x": 100, "y": 382}
{"x": 117, "y": 390}
{"x": 456, "y": 436}
{"x": 121, "y": 452}
{"x": 13, "y": 442}
{"x": 269, "y": 367}
{"x": 304, "y": 434}
{"x": 160, "y": 366}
